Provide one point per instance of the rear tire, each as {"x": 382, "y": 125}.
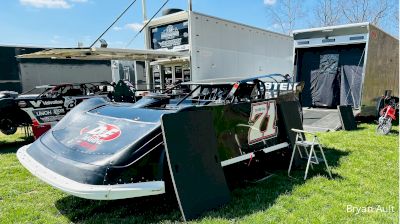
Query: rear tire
{"x": 8, "y": 126}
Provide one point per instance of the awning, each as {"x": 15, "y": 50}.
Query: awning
{"x": 170, "y": 61}
{"x": 105, "y": 54}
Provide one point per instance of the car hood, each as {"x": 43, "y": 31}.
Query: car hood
{"x": 102, "y": 135}
{"x": 87, "y": 143}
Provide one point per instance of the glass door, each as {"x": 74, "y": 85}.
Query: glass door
{"x": 178, "y": 74}
{"x": 168, "y": 76}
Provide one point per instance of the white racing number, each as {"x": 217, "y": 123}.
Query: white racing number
{"x": 262, "y": 121}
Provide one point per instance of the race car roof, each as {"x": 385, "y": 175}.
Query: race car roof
{"x": 104, "y": 54}
{"x": 44, "y": 86}
{"x": 232, "y": 80}
{"x": 219, "y": 81}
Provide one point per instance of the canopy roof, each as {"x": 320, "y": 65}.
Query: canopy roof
{"x": 104, "y": 54}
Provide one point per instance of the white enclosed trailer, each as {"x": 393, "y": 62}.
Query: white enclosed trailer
{"x": 190, "y": 46}
{"x": 215, "y": 48}
{"x": 349, "y": 64}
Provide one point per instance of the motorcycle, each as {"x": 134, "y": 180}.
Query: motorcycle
{"x": 387, "y": 115}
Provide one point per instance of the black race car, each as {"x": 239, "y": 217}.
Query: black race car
{"x": 45, "y": 105}
{"x": 10, "y": 115}
{"x": 105, "y": 151}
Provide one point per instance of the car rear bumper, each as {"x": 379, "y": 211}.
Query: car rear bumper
{"x": 88, "y": 191}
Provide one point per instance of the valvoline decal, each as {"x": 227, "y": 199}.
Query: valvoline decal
{"x": 91, "y": 136}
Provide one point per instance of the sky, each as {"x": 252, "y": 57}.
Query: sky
{"x": 64, "y": 23}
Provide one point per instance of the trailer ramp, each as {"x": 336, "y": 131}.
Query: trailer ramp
{"x": 321, "y": 120}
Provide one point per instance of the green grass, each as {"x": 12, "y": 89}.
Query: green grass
{"x": 364, "y": 165}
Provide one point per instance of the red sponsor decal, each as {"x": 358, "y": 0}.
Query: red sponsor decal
{"x": 91, "y": 137}
{"x": 104, "y": 132}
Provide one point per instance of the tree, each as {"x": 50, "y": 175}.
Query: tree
{"x": 395, "y": 19}
{"x": 373, "y": 11}
{"x": 285, "y": 13}
{"x": 327, "y": 13}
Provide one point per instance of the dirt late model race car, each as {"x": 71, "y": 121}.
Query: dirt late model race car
{"x": 105, "y": 151}
{"x": 44, "y": 105}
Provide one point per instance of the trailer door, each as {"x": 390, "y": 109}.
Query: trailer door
{"x": 332, "y": 75}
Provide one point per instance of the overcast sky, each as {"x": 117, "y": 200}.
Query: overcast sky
{"x": 64, "y": 23}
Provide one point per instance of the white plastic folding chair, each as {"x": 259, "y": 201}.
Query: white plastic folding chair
{"x": 310, "y": 152}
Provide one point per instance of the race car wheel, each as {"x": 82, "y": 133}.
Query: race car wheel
{"x": 7, "y": 126}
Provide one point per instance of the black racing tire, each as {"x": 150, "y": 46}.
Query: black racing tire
{"x": 8, "y": 126}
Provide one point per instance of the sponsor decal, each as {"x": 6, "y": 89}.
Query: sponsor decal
{"x": 39, "y": 103}
{"x": 91, "y": 137}
{"x": 51, "y": 119}
{"x": 170, "y": 43}
{"x": 22, "y": 103}
{"x": 172, "y": 36}
{"x": 170, "y": 33}
{"x": 233, "y": 90}
{"x": 262, "y": 121}
{"x": 273, "y": 88}
{"x": 280, "y": 86}
{"x": 49, "y": 114}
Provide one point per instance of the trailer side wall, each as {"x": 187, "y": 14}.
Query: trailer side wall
{"x": 222, "y": 48}
{"x": 382, "y": 69}
{"x": 46, "y": 71}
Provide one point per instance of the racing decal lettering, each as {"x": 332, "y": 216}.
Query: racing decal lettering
{"x": 262, "y": 121}
{"x": 90, "y": 137}
{"x": 38, "y": 103}
{"x": 48, "y": 114}
{"x": 51, "y": 119}
{"x": 69, "y": 103}
{"x": 281, "y": 86}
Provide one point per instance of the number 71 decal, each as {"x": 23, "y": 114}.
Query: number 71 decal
{"x": 262, "y": 122}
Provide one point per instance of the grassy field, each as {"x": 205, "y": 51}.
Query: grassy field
{"x": 364, "y": 165}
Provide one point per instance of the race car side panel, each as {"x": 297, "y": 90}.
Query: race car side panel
{"x": 241, "y": 129}
{"x": 51, "y": 110}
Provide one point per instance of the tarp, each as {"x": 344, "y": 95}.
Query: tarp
{"x": 332, "y": 75}
{"x": 325, "y": 82}
{"x": 351, "y": 79}
{"x": 352, "y": 63}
